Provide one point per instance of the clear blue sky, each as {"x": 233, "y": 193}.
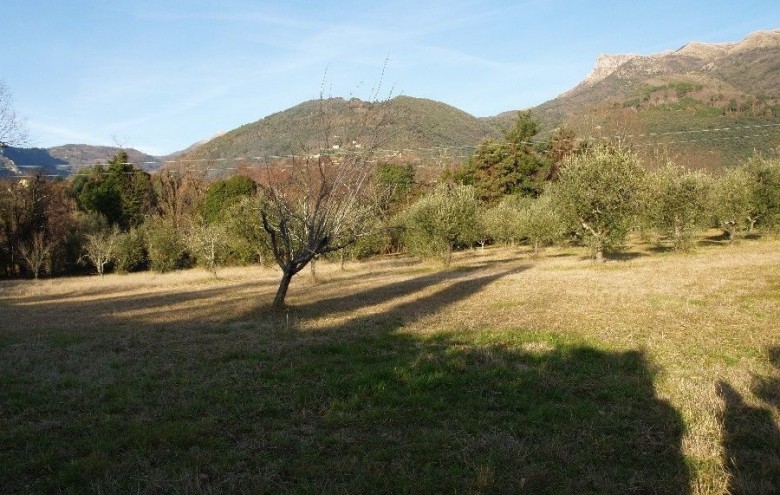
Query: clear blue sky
{"x": 161, "y": 75}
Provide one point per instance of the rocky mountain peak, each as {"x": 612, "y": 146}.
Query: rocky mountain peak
{"x": 759, "y": 39}
{"x": 606, "y": 65}
{"x": 706, "y": 51}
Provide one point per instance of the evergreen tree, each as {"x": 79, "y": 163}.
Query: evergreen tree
{"x": 119, "y": 191}
{"x": 512, "y": 165}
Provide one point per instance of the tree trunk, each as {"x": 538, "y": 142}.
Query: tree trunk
{"x": 731, "y": 230}
{"x": 598, "y": 245}
{"x": 678, "y": 233}
{"x": 313, "y": 267}
{"x": 213, "y": 258}
{"x": 281, "y": 293}
{"x": 598, "y": 250}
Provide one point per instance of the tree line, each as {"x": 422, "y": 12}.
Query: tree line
{"x": 117, "y": 217}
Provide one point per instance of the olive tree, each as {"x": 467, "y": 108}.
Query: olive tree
{"x": 442, "y": 221}
{"x": 503, "y": 222}
{"x": 679, "y": 203}
{"x": 166, "y": 246}
{"x": 599, "y": 194}
{"x": 748, "y": 196}
{"x": 733, "y": 201}
{"x": 539, "y": 221}
{"x": 764, "y": 176}
{"x": 246, "y": 238}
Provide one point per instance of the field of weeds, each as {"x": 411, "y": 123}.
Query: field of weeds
{"x": 655, "y": 373}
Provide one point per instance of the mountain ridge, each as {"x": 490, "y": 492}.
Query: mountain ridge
{"x": 693, "y": 91}
{"x": 686, "y": 92}
{"x": 67, "y": 159}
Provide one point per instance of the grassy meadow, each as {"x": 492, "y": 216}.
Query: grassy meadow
{"x": 657, "y": 372}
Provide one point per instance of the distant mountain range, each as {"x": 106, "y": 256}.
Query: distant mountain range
{"x": 703, "y": 105}
{"x": 67, "y": 159}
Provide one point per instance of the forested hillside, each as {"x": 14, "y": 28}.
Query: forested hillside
{"x": 407, "y": 126}
{"x": 705, "y": 106}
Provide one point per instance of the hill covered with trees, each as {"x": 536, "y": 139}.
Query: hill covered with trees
{"x": 407, "y": 126}
{"x": 704, "y": 105}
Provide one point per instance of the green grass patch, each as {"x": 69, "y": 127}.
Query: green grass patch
{"x": 384, "y": 412}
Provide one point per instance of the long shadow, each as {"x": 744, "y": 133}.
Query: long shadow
{"x": 448, "y": 414}
{"x": 93, "y": 311}
{"x": 751, "y": 438}
{"x": 471, "y": 278}
{"x": 366, "y": 407}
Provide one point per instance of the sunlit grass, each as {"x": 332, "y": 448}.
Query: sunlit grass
{"x": 503, "y": 374}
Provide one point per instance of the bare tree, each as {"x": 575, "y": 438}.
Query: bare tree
{"x": 12, "y": 129}
{"x": 36, "y": 251}
{"x": 180, "y": 190}
{"x": 315, "y": 201}
{"x": 208, "y": 242}
{"x": 101, "y": 247}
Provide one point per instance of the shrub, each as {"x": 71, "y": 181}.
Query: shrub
{"x": 166, "y": 247}
{"x": 131, "y": 254}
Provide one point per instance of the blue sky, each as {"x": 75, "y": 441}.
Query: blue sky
{"x": 161, "y": 75}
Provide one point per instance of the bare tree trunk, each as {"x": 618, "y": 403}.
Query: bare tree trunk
{"x": 313, "y": 267}
{"x": 281, "y": 293}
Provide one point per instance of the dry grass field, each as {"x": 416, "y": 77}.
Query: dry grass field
{"x": 655, "y": 373}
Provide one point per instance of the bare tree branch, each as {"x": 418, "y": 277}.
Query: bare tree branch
{"x": 12, "y": 129}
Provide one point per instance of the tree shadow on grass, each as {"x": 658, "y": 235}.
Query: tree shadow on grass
{"x": 624, "y": 256}
{"x": 364, "y": 407}
{"x": 459, "y": 285}
{"x": 751, "y": 438}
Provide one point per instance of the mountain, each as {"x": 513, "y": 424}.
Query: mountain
{"x": 409, "y": 124}
{"x": 704, "y": 105}
{"x": 64, "y": 160}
